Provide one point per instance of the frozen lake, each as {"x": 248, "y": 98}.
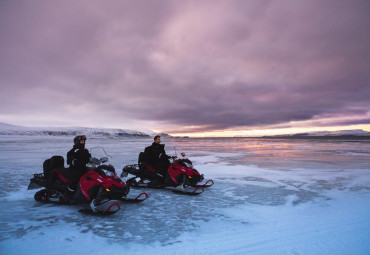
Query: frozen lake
{"x": 271, "y": 196}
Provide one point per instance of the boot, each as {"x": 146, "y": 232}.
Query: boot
{"x": 68, "y": 194}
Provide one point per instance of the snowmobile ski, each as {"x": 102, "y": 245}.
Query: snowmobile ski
{"x": 186, "y": 191}
{"x": 137, "y": 199}
{"x": 106, "y": 212}
{"x": 181, "y": 189}
{"x": 98, "y": 207}
{"x": 207, "y": 184}
{"x": 114, "y": 207}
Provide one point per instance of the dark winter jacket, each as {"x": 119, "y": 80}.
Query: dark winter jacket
{"x": 78, "y": 157}
{"x": 156, "y": 156}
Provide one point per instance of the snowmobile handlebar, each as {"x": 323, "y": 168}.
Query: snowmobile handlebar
{"x": 94, "y": 161}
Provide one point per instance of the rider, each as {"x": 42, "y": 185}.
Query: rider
{"x": 157, "y": 158}
{"x": 77, "y": 158}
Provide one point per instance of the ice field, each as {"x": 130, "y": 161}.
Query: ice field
{"x": 271, "y": 196}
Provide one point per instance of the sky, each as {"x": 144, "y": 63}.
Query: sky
{"x": 197, "y": 68}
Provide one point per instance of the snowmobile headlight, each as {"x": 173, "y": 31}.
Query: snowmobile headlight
{"x": 108, "y": 173}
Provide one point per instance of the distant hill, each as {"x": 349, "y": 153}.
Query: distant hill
{"x": 13, "y": 130}
{"x": 327, "y": 134}
{"x": 354, "y": 133}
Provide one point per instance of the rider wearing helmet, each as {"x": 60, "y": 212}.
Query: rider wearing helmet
{"x": 77, "y": 158}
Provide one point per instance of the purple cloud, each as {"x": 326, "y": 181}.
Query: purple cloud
{"x": 190, "y": 65}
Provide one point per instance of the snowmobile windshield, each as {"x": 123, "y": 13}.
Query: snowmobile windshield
{"x": 100, "y": 154}
{"x": 98, "y": 157}
{"x": 179, "y": 152}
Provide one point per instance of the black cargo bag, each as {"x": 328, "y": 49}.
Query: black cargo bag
{"x": 52, "y": 163}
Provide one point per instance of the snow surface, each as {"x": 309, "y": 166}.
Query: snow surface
{"x": 269, "y": 197}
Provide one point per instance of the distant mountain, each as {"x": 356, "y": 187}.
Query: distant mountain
{"x": 9, "y": 126}
{"x": 13, "y": 130}
{"x": 353, "y": 132}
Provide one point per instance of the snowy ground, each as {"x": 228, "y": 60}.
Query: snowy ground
{"x": 270, "y": 197}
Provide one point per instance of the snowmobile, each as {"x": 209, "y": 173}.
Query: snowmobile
{"x": 180, "y": 177}
{"x": 97, "y": 188}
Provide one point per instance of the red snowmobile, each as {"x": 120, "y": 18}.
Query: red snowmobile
{"x": 180, "y": 177}
{"x": 97, "y": 188}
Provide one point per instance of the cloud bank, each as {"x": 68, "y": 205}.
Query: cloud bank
{"x": 189, "y": 65}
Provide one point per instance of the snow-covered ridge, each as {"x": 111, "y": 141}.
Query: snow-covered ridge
{"x": 12, "y": 130}
{"x": 353, "y": 132}
{"x": 341, "y": 132}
